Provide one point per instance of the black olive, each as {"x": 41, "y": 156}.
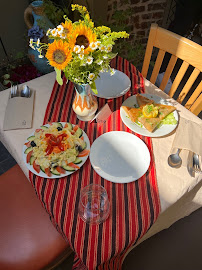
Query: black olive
{"x": 59, "y": 128}
{"x": 80, "y": 148}
{"x": 33, "y": 144}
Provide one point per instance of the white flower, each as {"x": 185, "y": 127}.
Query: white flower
{"x": 91, "y": 76}
{"x": 93, "y": 45}
{"x": 48, "y": 32}
{"x": 105, "y": 56}
{"x": 63, "y": 35}
{"x": 54, "y": 32}
{"x": 109, "y": 48}
{"x": 112, "y": 71}
{"x": 41, "y": 56}
{"x": 102, "y": 48}
{"x": 81, "y": 56}
{"x": 38, "y": 42}
{"x": 99, "y": 62}
{"x": 82, "y": 49}
{"x": 31, "y": 43}
{"x": 89, "y": 60}
{"x": 60, "y": 29}
{"x": 90, "y": 82}
{"x": 98, "y": 43}
{"x": 77, "y": 49}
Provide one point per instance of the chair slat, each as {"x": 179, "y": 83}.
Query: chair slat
{"x": 157, "y": 66}
{"x": 168, "y": 72}
{"x": 149, "y": 49}
{"x": 196, "y": 107}
{"x": 188, "y": 85}
{"x": 180, "y": 48}
{"x": 194, "y": 96}
{"x": 178, "y": 78}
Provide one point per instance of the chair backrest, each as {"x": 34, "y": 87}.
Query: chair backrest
{"x": 180, "y": 48}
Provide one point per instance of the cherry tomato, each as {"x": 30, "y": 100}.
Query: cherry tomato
{"x": 29, "y": 156}
{"x": 75, "y": 128}
{"x": 48, "y": 135}
{"x": 60, "y": 170}
{"x": 38, "y": 129}
{"x": 61, "y": 146}
{"x": 71, "y": 164}
{"x": 49, "y": 149}
{"x": 52, "y": 143}
{"x": 53, "y": 138}
{"x": 36, "y": 167}
{"x": 28, "y": 144}
{"x": 47, "y": 171}
{"x": 84, "y": 153}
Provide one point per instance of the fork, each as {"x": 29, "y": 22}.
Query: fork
{"x": 196, "y": 165}
{"x": 14, "y": 89}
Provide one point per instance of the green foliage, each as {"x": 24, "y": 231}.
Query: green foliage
{"x": 54, "y": 13}
{"x": 133, "y": 51}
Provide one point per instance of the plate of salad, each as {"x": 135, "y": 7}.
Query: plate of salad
{"x": 56, "y": 150}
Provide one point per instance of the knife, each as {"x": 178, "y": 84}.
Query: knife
{"x": 190, "y": 166}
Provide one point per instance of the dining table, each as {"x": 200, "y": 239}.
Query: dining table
{"x": 140, "y": 209}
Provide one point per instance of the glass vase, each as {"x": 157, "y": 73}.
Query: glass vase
{"x": 84, "y": 104}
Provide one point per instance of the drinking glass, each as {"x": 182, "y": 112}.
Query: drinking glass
{"x": 94, "y": 204}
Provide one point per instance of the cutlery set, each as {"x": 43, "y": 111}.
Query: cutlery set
{"x": 193, "y": 166}
{"x": 25, "y": 92}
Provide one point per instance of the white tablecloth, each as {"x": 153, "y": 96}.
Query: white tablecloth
{"x": 180, "y": 194}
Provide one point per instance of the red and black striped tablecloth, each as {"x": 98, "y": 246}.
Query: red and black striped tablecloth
{"x": 134, "y": 206}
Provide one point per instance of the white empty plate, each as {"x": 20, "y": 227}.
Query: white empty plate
{"x": 119, "y": 157}
{"x": 112, "y": 86}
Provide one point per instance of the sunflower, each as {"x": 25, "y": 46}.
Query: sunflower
{"x": 83, "y": 35}
{"x": 67, "y": 28}
{"x": 59, "y": 54}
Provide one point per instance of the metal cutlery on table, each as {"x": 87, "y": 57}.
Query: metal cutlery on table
{"x": 190, "y": 166}
{"x": 25, "y": 92}
{"x": 196, "y": 164}
{"x": 14, "y": 91}
{"x": 193, "y": 165}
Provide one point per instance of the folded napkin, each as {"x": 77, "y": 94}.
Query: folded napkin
{"x": 188, "y": 136}
{"x": 19, "y": 112}
{"x": 103, "y": 114}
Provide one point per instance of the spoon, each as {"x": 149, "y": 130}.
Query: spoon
{"x": 25, "y": 92}
{"x": 174, "y": 160}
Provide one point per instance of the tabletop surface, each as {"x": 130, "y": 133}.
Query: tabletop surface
{"x": 172, "y": 183}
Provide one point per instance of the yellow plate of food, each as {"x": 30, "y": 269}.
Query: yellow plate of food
{"x": 149, "y": 115}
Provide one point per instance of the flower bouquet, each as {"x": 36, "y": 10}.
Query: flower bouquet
{"x": 79, "y": 49}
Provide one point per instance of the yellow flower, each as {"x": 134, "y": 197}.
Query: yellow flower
{"x": 59, "y": 54}
{"x": 83, "y": 35}
{"x": 67, "y": 28}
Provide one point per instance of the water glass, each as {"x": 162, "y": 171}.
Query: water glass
{"x": 94, "y": 204}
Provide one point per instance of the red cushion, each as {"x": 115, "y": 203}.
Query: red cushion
{"x": 28, "y": 240}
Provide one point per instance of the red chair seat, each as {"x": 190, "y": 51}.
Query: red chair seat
{"x": 28, "y": 240}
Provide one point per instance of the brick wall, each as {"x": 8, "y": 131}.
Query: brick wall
{"x": 143, "y": 13}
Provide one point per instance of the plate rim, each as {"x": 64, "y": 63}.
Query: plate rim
{"x": 119, "y": 95}
{"x": 42, "y": 174}
{"x": 144, "y": 131}
{"x": 130, "y": 134}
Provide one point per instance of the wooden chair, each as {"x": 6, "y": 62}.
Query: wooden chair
{"x": 180, "y": 48}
